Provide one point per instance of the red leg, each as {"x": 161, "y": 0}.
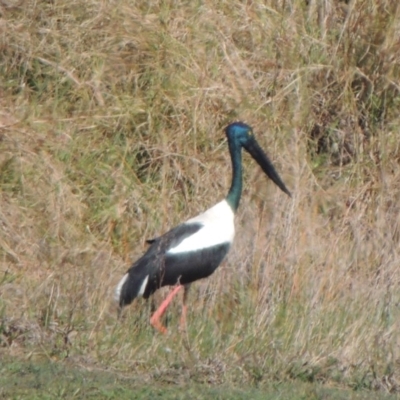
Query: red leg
{"x": 155, "y": 319}
{"x": 184, "y": 307}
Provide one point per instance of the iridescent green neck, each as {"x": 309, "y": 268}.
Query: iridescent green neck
{"x": 235, "y": 191}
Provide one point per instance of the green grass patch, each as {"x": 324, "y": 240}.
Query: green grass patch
{"x": 48, "y": 380}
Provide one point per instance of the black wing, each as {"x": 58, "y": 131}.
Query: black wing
{"x": 188, "y": 267}
{"x": 153, "y": 262}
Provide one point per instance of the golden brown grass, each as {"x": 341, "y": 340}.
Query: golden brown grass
{"x": 111, "y": 132}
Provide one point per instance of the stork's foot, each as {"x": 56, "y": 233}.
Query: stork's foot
{"x": 183, "y": 325}
{"x": 155, "y": 319}
{"x": 156, "y": 324}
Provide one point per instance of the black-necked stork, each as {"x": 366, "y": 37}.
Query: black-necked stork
{"x": 194, "y": 249}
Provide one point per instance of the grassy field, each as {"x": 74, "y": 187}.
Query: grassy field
{"x": 111, "y": 132}
{"x": 44, "y": 380}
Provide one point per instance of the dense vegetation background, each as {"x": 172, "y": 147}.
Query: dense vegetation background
{"x": 111, "y": 132}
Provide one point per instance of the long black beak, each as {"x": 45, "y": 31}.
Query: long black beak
{"x": 254, "y": 149}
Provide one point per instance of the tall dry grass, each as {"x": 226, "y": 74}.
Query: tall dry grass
{"x": 111, "y": 132}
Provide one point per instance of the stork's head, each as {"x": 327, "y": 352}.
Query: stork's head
{"x": 241, "y": 134}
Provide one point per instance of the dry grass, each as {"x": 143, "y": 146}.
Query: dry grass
{"x": 111, "y": 132}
